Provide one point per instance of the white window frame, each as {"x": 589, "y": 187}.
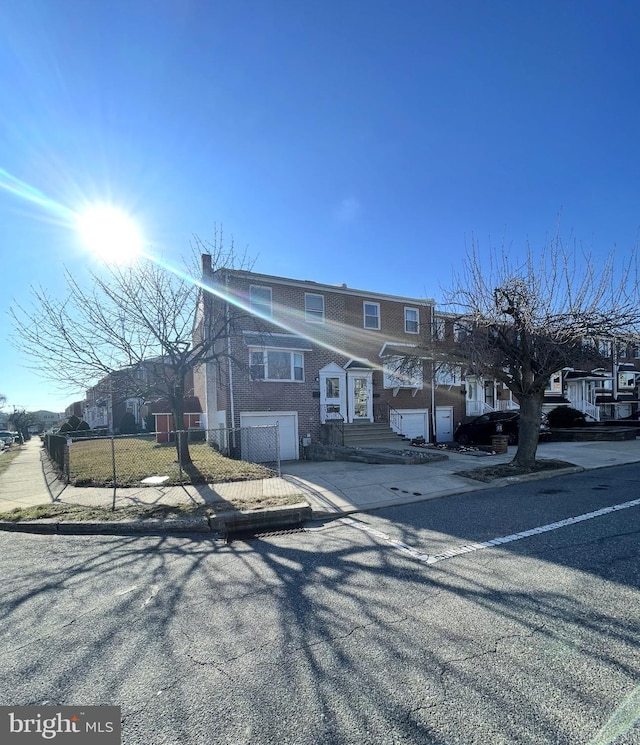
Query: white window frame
{"x": 605, "y": 347}
{"x": 555, "y": 383}
{"x": 447, "y": 374}
{"x": 439, "y": 329}
{"x": 313, "y": 315}
{"x": 408, "y": 321}
{"x": 294, "y": 357}
{"x": 460, "y": 330}
{"x": 366, "y": 315}
{"x": 394, "y": 376}
{"x": 259, "y": 305}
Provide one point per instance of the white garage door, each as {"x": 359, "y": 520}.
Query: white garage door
{"x": 414, "y": 424}
{"x": 288, "y": 430}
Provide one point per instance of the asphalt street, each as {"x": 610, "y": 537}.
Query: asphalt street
{"x": 345, "y": 633}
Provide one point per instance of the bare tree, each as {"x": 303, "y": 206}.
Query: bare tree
{"x": 135, "y": 324}
{"x": 521, "y": 322}
{"x": 21, "y": 420}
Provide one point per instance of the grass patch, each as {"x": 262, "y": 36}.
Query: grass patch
{"x": 6, "y": 457}
{"x": 503, "y": 470}
{"x": 80, "y": 513}
{"x": 137, "y": 458}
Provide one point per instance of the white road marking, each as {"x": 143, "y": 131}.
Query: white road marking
{"x": 470, "y": 547}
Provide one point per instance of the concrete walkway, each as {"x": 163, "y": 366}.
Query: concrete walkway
{"x": 329, "y": 487}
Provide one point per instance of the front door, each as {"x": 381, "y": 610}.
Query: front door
{"x": 360, "y": 397}
{"x": 490, "y": 394}
{"x": 333, "y": 394}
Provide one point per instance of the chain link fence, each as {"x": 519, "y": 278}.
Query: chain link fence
{"x": 194, "y": 456}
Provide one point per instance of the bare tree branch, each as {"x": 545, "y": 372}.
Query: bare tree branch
{"x": 528, "y": 319}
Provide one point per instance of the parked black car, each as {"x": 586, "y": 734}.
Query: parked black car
{"x": 481, "y": 429}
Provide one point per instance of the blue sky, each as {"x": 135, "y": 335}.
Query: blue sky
{"x": 339, "y": 141}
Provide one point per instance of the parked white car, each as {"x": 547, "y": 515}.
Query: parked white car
{"x": 7, "y": 437}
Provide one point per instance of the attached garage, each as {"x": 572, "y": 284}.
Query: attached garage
{"x": 288, "y": 431}
{"x": 414, "y": 423}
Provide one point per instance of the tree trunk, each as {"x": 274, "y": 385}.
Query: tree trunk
{"x": 182, "y": 435}
{"x": 529, "y": 429}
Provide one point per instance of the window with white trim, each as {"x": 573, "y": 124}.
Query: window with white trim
{"x": 461, "y": 330}
{"x": 371, "y": 312}
{"x": 555, "y": 383}
{"x": 313, "y": 308}
{"x": 411, "y": 320}
{"x": 260, "y": 300}
{"x": 276, "y": 365}
{"x": 605, "y": 347}
{"x": 446, "y": 374}
{"x": 399, "y": 372}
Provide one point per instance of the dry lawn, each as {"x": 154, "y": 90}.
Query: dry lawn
{"x": 91, "y": 463}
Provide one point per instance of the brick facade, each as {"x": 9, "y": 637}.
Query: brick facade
{"x": 355, "y": 327}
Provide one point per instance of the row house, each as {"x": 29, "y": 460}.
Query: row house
{"x": 308, "y": 355}
{"x": 129, "y": 393}
{"x": 601, "y": 394}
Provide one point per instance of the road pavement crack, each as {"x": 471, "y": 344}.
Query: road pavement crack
{"x": 446, "y": 665}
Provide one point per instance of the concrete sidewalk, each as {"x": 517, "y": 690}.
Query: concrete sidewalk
{"x": 330, "y": 488}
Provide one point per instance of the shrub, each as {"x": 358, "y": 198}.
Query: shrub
{"x": 563, "y": 417}
{"x": 73, "y": 422}
{"x": 128, "y": 424}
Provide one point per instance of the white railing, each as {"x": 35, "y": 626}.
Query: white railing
{"x": 508, "y": 405}
{"x": 586, "y": 408}
{"x": 476, "y": 408}
{"x": 395, "y": 420}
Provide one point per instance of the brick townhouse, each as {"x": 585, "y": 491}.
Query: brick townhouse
{"x": 306, "y": 355}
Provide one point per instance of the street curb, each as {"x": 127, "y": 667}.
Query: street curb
{"x": 271, "y": 517}
{"x": 473, "y": 486}
{"x": 224, "y": 522}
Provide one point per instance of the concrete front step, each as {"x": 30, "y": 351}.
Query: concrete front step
{"x": 369, "y": 432}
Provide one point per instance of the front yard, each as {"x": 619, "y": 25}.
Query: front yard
{"x": 91, "y": 463}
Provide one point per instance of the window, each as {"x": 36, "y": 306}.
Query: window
{"x": 438, "y": 329}
{"x": 400, "y": 372}
{"x": 260, "y": 300}
{"x": 448, "y": 374}
{"x": 371, "y": 315}
{"x": 332, "y": 389}
{"x": 461, "y": 330}
{"x": 313, "y": 308}
{"x": 277, "y": 365}
{"x": 411, "y": 320}
{"x": 626, "y": 380}
{"x": 555, "y": 383}
{"x": 605, "y": 347}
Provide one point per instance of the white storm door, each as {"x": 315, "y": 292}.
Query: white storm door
{"x": 360, "y": 397}
{"x": 333, "y": 394}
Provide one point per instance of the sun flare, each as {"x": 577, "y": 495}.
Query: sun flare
{"x": 110, "y": 234}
